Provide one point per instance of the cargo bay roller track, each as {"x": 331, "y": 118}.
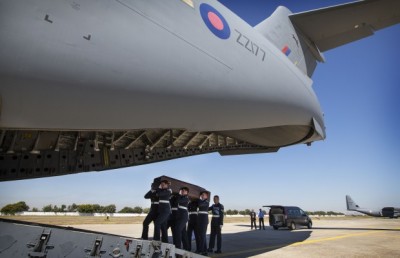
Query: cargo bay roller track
{"x": 24, "y": 239}
{"x": 35, "y": 154}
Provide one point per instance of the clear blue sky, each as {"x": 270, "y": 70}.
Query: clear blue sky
{"x": 358, "y": 88}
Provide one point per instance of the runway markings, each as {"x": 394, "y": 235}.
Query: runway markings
{"x": 265, "y": 249}
{"x": 307, "y": 242}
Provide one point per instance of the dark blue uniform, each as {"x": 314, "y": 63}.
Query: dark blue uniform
{"x": 253, "y": 218}
{"x": 192, "y": 225}
{"x": 164, "y": 210}
{"x": 164, "y": 232}
{"x": 174, "y": 209}
{"x": 152, "y": 215}
{"x": 179, "y": 229}
{"x": 202, "y": 223}
{"x": 216, "y": 222}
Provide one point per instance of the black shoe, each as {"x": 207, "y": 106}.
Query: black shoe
{"x": 204, "y": 254}
{"x": 218, "y": 252}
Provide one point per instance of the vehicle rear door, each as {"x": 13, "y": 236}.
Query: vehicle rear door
{"x": 303, "y": 218}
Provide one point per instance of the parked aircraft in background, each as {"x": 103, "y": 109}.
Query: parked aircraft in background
{"x": 390, "y": 212}
{"x": 95, "y": 85}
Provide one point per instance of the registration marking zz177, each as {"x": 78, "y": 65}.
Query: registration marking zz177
{"x": 250, "y": 45}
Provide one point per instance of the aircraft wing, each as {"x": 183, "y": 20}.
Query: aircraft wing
{"x": 334, "y": 26}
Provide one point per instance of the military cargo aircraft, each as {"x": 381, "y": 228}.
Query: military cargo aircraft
{"x": 390, "y": 212}
{"x": 95, "y": 85}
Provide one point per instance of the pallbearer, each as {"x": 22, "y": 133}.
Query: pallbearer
{"x": 152, "y": 215}
{"x": 192, "y": 224}
{"x": 202, "y": 222}
{"x": 164, "y": 209}
{"x": 179, "y": 229}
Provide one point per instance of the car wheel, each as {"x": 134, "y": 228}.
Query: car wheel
{"x": 309, "y": 225}
{"x": 292, "y": 226}
{"x": 275, "y": 227}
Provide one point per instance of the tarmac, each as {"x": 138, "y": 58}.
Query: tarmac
{"x": 354, "y": 237}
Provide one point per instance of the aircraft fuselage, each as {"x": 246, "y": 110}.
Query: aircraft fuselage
{"x": 142, "y": 64}
{"x": 75, "y": 71}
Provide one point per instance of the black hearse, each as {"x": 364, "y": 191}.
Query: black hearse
{"x": 288, "y": 216}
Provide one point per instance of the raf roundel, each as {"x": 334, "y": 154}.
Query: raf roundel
{"x": 215, "y": 22}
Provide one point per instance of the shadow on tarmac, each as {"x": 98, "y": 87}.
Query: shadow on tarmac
{"x": 255, "y": 242}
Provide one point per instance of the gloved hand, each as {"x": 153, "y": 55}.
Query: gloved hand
{"x": 220, "y": 226}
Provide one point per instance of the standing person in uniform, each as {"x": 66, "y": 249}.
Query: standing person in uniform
{"x": 179, "y": 229}
{"x": 192, "y": 225}
{"x": 217, "y": 221}
{"x": 261, "y": 219}
{"x": 152, "y": 215}
{"x": 164, "y": 208}
{"x": 253, "y": 218}
{"x": 202, "y": 223}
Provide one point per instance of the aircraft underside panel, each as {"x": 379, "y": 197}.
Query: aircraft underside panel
{"x": 35, "y": 154}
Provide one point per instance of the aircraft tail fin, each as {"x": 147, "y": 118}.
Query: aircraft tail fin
{"x": 279, "y": 29}
{"x": 351, "y": 205}
{"x": 303, "y": 36}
